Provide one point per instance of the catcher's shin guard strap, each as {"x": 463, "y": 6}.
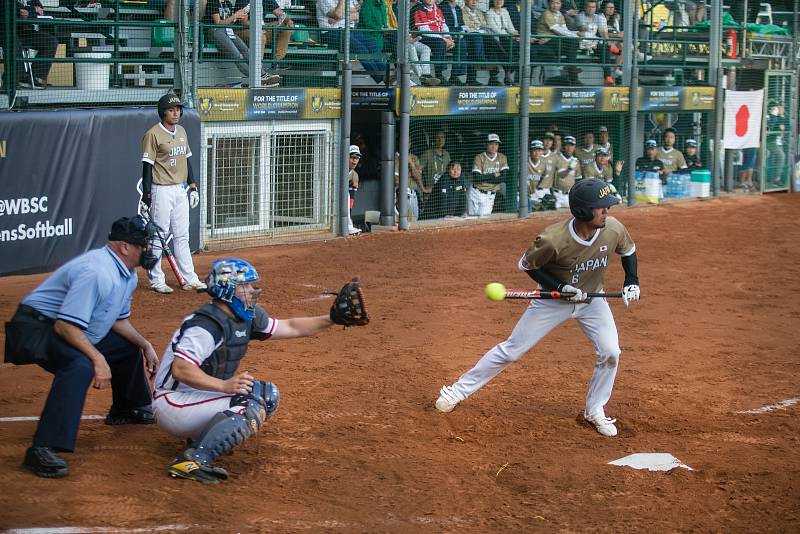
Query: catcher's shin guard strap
{"x": 260, "y": 404}
{"x": 225, "y": 431}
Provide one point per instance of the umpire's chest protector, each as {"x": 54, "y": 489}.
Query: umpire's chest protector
{"x": 235, "y": 336}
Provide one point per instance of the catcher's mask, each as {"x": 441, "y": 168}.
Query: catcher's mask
{"x": 225, "y": 277}
{"x": 136, "y": 231}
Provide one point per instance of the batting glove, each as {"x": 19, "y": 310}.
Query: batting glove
{"x": 630, "y": 293}
{"x": 194, "y": 197}
{"x": 144, "y": 209}
{"x": 579, "y": 295}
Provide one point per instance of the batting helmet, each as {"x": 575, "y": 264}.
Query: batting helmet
{"x": 168, "y": 101}
{"x": 588, "y": 194}
{"x": 225, "y": 275}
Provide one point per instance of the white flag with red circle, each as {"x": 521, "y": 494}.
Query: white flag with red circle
{"x": 743, "y": 110}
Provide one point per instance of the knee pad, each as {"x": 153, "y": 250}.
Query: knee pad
{"x": 259, "y": 405}
{"x": 268, "y": 395}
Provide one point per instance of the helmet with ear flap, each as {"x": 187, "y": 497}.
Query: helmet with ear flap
{"x": 588, "y": 194}
{"x": 168, "y": 101}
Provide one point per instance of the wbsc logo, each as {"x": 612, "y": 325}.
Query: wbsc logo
{"x": 23, "y": 206}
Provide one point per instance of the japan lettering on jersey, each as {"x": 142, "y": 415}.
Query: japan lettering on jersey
{"x": 535, "y": 172}
{"x": 586, "y": 155}
{"x": 549, "y": 170}
{"x": 560, "y": 252}
{"x": 168, "y": 153}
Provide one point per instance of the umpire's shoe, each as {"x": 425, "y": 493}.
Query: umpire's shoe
{"x": 44, "y": 462}
{"x": 136, "y": 416}
{"x": 194, "y": 470}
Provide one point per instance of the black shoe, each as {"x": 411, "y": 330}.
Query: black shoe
{"x": 137, "y": 416}
{"x": 44, "y": 462}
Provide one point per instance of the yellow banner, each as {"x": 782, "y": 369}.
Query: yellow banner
{"x": 428, "y": 101}
{"x": 222, "y": 104}
{"x": 699, "y": 98}
{"x": 322, "y": 103}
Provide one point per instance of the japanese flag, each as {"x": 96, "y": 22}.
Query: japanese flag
{"x": 743, "y": 118}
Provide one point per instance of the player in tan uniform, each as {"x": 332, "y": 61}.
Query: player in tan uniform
{"x": 489, "y": 169}
{"x": 585, "y": 153}
{"x": 572, "y": 257}
{"x": 166, "y": 180}
{"x": 672, "y": 158}
{"x": 567, "y": 166}
{"x": 549, "y": 156}
{"x": 605, "y": 142}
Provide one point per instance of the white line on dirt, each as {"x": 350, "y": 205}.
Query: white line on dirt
{"x": 772, "y": 407}
{"x": 81, "y": 530}
{"x": 36, "y": 418}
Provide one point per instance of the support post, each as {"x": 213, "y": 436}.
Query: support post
{"x": 728, "y": 175}
{"x": 387, "y": 168}
{"x": 716, "y": 79}
{"x": 344, "y": 128}
{"x": 633, "y": 113}
{"x": 524, "y": 106}
{"x": 405, "y": 112}
{"x": 256, "y": 56}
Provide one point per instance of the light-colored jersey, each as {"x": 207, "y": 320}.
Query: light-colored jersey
{"x": 536, "y": 172}
{"x": 565, "y": 177}
{"x": 671, "y": 158}
{"x": 601, "y": 173}
{"x": 486, "y": 164}
{"x": 550, "y": 170}
{"x": 168, "y": 153}
{"x": 586, "y": 154}
{"x": 609, "y": 150}
{"x": 195, "y": 344}
{"x": 560, "y": 252}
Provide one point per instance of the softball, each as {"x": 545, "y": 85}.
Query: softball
{"x": 495, "y": 291}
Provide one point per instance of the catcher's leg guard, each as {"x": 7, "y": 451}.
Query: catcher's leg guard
{"x": 260, "y": 404}
{"x": 225, "y": 431}
{"x": 268, "y": 396}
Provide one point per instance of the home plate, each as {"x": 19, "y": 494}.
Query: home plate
{"x": 652, "y": 461}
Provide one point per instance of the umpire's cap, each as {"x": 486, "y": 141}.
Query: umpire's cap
{"x": 134, "y": 230}
{"x": 168, "y": 101}
{"x": 588, "y": 194}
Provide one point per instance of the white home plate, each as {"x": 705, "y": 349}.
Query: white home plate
{"x": 652, "y": 461}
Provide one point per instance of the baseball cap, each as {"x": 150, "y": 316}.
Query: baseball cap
{"x": 134, "y": 230}
{"x": 569, "y": 140}
{"x": 601, "y": 152}
{"x": 691, "y": 142}
{"x": 651, "y": 143}
{"x": 493, "y": 138}
{"x": 551, "y": 135}
{"x": 603, "y": 129}
{"x": 355, "y": 150}
{"x": 537, "y": 144}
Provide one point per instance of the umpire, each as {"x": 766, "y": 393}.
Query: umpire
{"x": 76, "y": 325}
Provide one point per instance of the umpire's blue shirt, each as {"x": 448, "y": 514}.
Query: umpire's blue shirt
{"x": 92, "y": 291}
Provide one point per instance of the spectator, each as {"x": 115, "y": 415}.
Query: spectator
{"x": 489, "y": 170}
{"x": 280, "y": 44}
{"x": 352, "y": 186}
{"x": 449, "y": 197}
{"x": 416, "y": 187}
{"x": 749, "y": 156}
{"x": 417, "y": 54}
{"x": 504, "y": 40}
{"x": 690, "y": 155}
{"x": 34, "y": 37}
{"x": 601, "y": 169}
{"x": 475, "y": 25}
{"x": 454, "y": 18}
{"x": 221, "y": 13}
{"x": 568, "y": 169}
{"x": 650, "y": 162}
{"x": 592, "y": 24}
{"x": 552, "y": 23}
{"x": 672, "y": 159}
{"x": 429, "y": 21}
{"x": 538, "y": 7}
{"x": 605, "y": 142}
{"x": 585, "y": 153}
{"x": 614, "y": 29}
{"x": 76, "y": 325}
{"x": 777, "y": 128}
{"x": 435, "y": 160}
{"x": 569, "y": 8}
{"x": 330, "y": 18}
{"x": 372, "y": 16}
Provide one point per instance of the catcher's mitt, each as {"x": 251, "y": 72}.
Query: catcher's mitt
{"x": 349, "y": 308}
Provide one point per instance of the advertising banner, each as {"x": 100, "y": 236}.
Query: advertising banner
{"x": 676, "y": 98}
{"x": 473, "y": 100}
{"x": 378, "y": 98}
{"x": 269, "y": 104}
{"x": 67, "y": 175}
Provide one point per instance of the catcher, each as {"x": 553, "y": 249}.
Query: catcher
{"x": 200, "y": 392}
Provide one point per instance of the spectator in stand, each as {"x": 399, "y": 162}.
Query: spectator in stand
{"x": 568, "y": 168}
{"x": 454, "y": 18}
{"x": 429, "y": 21}
{"x": 449, "y": 197}
{"x": 672, "y": 159}
{"x": 614, "y": 29}
{"x": 593, "y": 24}
{"x": 548, "y": 49}
{"x": 221, "y": 13}
{"x": 650, "y": 162}
{"x": 280, "y": 44}
{"x": 690, "y": 155}
{"x": 330, "y": 18}
{"x": 538, "y": 7}
{"x": 372, "y": 16}
{"x": 749, "y": 156}
{"x": 504, "y": 41}
{"x": 417, "y": 54}
{"x": 33, "y": 36}
{"x": 585, "y": 153}
{"x": 475, "y": 25}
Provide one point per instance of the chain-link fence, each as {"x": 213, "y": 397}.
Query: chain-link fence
{"x": 776, "y": 164}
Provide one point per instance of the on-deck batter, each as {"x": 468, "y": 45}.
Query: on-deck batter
{"x": 570, "y": 256}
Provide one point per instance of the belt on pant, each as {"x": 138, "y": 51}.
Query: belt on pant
{"x": 30, "y": 311}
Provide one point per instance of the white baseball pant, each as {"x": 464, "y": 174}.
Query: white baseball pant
{"x": 542, "y": 316}
{"x": 186, "y": 413}
{"x": 169, "y": 209}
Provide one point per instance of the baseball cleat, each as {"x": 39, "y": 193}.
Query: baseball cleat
{"x": 447, "y": 400}
{"x": 198, "y": 286}
{"x": 162, "y": 288}
{"x": 192, "y": 470}
{"x": 44, "y": 462}
{"x": 603, "y": 424}
{"x": 136, "y": 416}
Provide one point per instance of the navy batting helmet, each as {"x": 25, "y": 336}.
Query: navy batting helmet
{"x": 168, "y": 101}
{"x": 588, "y": 194}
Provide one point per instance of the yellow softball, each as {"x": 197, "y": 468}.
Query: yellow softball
{"x": 495, "y": 291}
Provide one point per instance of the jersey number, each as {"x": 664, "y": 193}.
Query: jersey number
{"x": 173, "y": 162}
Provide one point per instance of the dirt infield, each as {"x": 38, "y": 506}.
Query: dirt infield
{"x": 357, "y": 446}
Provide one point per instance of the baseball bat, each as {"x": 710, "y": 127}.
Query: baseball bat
{"x": 543, "y": 294}
{"x": 165, "y": 248}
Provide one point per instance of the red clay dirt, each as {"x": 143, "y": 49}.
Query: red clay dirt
{"x": 357, "y": 446}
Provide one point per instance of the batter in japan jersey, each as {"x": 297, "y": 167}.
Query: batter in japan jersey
{"x": 168, "y": 153}
{"x": 560, "y": 252}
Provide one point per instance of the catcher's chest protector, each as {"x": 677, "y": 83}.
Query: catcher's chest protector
{"x": 224, "y": 361}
